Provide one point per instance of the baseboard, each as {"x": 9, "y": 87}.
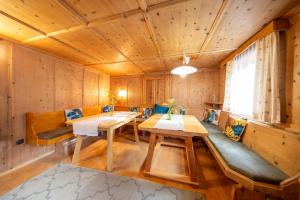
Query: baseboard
{"x": 27, "y": 163}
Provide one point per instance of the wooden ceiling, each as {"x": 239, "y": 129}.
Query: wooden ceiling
{"x": 137, "y": 36}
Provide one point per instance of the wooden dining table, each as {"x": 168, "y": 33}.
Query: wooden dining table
{"x": 111, "y": 121}
{"x": 184, "y": 127}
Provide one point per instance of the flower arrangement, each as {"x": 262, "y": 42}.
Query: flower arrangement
{"x": 113, "y": 100}
{"x": 171, "y": 108}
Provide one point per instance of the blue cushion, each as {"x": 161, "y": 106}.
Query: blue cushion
{"x": 73, "y": 113}
{"x": 158, "y": 109}
{"x": 107, "y": 108}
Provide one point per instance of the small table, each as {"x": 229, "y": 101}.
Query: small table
{"x": 109, "y": 126}
{"x": 190, "y": 127}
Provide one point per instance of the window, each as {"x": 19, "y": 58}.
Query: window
{"x": 253, "y": 82}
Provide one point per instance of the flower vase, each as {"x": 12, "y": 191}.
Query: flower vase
{"x": 170, "y": 114}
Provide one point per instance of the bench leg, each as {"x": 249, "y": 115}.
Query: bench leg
{"x": 76, "y": 155}
{"x": 110, "y": 137}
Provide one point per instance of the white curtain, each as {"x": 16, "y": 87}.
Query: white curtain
{"x": 268, "y": 79}
{"x": 239, "y": 87}
{"x": 253, "y": 81}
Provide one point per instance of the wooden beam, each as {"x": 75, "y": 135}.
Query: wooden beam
{"x": 114, "y": 47}
{"x": 104, "y": 20}
{"x": 215, "y": 24}
{"x": 72, "y": 11}
{"x": 83, "y": 21}
{"x": 44, "y": 35}
{"x": 275, "y": 25}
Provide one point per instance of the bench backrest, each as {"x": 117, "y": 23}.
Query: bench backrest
{"x": 278, "y": 146}
{"x": 46, "y": 121}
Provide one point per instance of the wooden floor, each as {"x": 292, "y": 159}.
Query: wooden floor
{"x": 129, "y": 161}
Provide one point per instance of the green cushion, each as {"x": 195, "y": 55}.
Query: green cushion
{"x": 158, "y": 109}
{"x": 242, "y": 159}
{"x": 47, "y": 135}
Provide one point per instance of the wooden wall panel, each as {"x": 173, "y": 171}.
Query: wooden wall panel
{"x": 190, "y": 92}
{"x": 90, "y": 89}
{"x": 294, "y": 43}
{"x": 33, "y": 90}
{"x": 32, "y": 81}
{"x": 104, "y": 88}
{"x": 194, "y": 90}
{"x": 69, "y": 86}
{"x": 116, "y": 84}
{"x": 134, "y": 91}
{"x": 279, "y": 144}
{"x": 5, "y": 54}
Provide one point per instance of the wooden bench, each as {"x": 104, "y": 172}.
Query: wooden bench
{"x": 48, "y": 128}
{"x": 279, "y": 148}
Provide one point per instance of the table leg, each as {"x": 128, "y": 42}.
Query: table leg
{"x": 149, "y": 157}
{"x": 76, "y": 153}
{"x": 110, "y": 136}
{"x": 191, "y": 158}
{"x": 136, "y": 132}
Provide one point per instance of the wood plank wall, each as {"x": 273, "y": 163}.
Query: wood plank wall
{"x": 190, "y": 92}
{"x": 33, "y": 81}
{"x": 294, "y": 62}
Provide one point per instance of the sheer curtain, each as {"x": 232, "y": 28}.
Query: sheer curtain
{"x": 253, "y": 81}
{"x": 239, "y": 87}
{"x": 268, "y": 79}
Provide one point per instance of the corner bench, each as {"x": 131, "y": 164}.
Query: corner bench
{"x": 246, "y": 166}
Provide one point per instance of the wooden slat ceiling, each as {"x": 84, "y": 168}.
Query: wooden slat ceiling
{"x": 137, "y": 36}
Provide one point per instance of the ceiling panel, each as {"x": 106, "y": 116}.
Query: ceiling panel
{"x": 130, "y": 36}
{"x": 114, "y": 69}
{"x": 13, "y": 29}
{"x": 154, "y": 65}
{"x": 45, "y": 15}
{"x": 183, "y": 27}
{"x": 242, "y": 19}
{"x": 95, "y": 9}
{"x": 92, "y": 44}
{"x": 211, "y": 59}
{"x": 59, "y": 49}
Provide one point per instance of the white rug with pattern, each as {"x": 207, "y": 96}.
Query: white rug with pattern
{"x": 68, "y": 182}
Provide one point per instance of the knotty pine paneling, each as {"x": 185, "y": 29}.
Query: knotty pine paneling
{"x": 69, "y": 85}
{"x": 5, "y": 54}
{"x": 190, "y": 92}
{"x": 104, "y": 88}
{"x": 90, "y": 89}
{"x": 294, "y": 60}
{"x": 31, "y": 81}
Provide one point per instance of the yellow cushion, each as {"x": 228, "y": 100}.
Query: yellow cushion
{"x": 235, "y": 128}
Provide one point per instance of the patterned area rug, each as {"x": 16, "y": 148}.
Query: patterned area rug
{"x": 68, "y": 182}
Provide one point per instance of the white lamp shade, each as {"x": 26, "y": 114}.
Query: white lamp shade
{"x": 184, "y": 70}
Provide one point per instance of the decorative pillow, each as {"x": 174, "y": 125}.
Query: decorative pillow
{"x": 134, "y": 109}
{"x": 235, "y": 128}
{"x": 73, "y": 113}
{"x": 107, "y": 108}
{"x": 206, "y": 115}
{"x": 147, "y": 112}
{"x": 158, "y": 109}
{"x": 214, "y": 116}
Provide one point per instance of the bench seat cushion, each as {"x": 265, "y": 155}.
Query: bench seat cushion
{"x": 48, "y": 135}
{"x": 242, "y": 159}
